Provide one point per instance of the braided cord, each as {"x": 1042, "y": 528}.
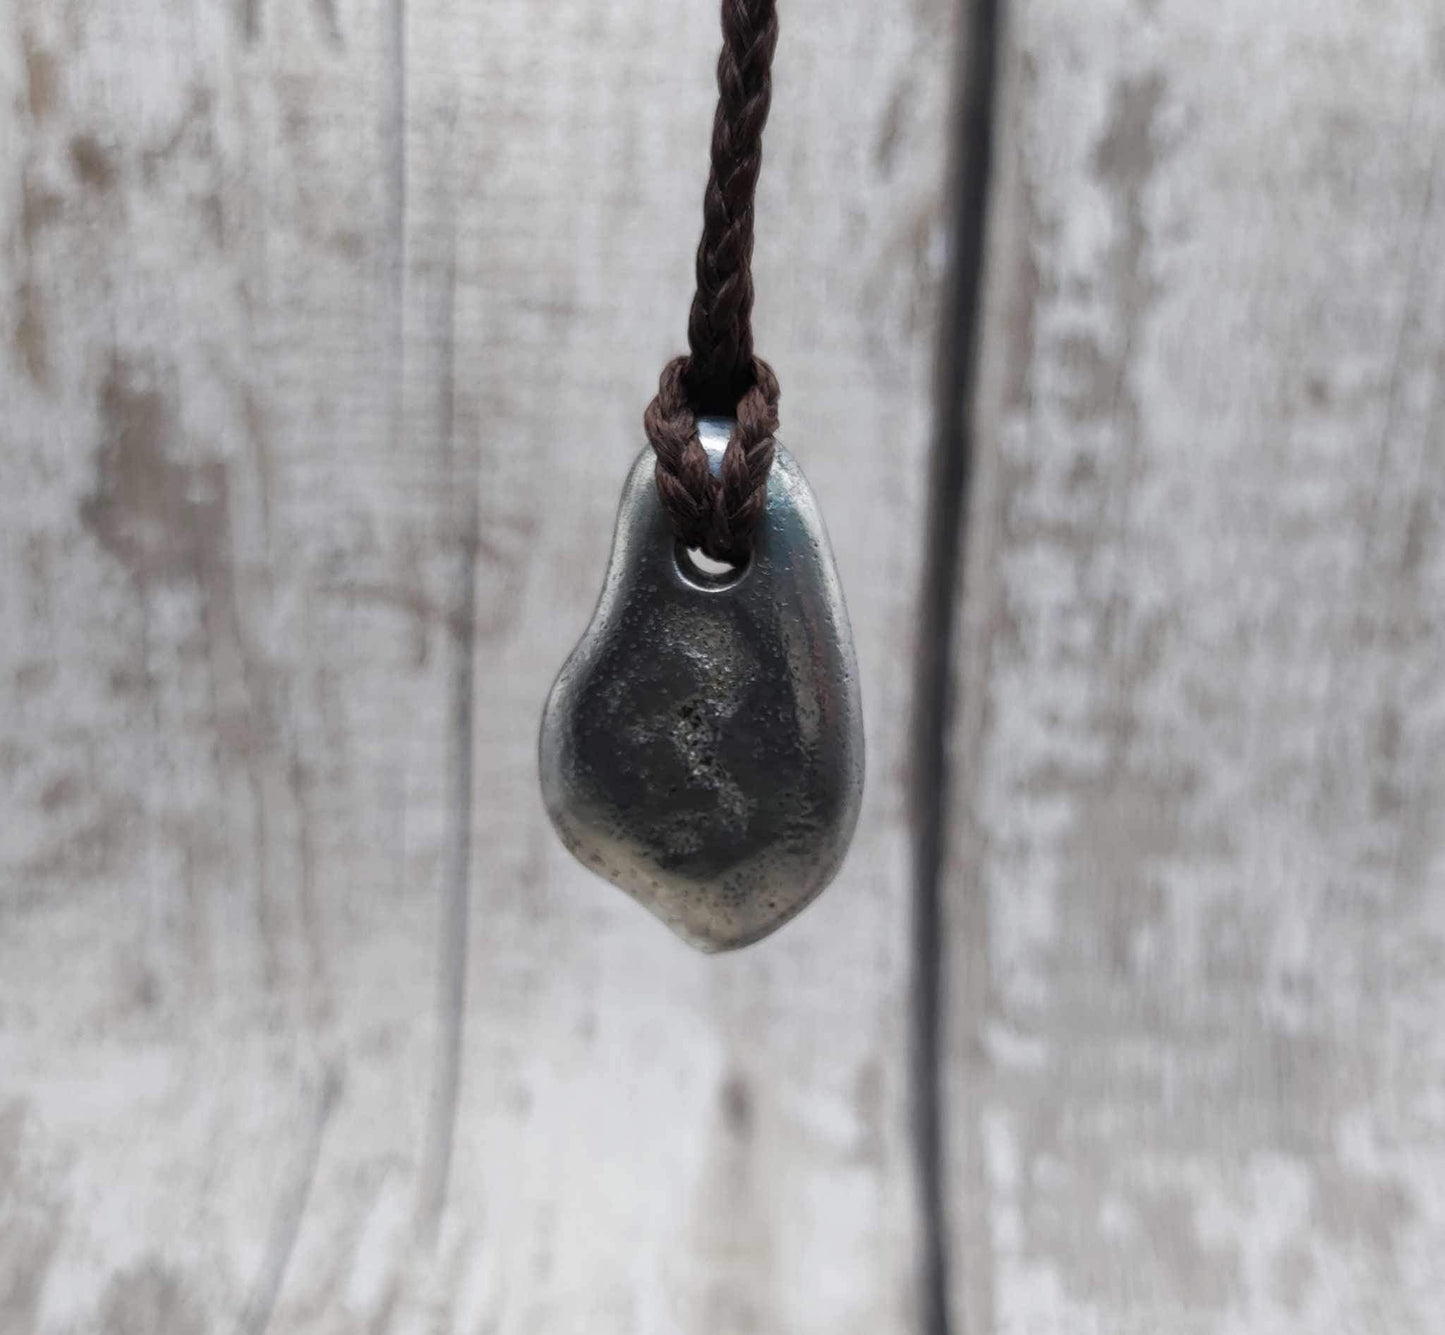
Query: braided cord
{"x": 722, "y": 376}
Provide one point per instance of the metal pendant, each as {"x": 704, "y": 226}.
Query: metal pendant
{"x": 703, "y": 746}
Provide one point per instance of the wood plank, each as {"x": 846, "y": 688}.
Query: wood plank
{"x": 1196, "y": 889}
{"x": 328, "y": 334}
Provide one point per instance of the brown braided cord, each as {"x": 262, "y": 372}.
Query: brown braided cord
{"x": 722, "y": 376}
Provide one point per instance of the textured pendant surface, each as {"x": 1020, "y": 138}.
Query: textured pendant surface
{"x": 702, "y": 748}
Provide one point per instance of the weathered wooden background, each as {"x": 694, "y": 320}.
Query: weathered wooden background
{"x": 327, "y": 329}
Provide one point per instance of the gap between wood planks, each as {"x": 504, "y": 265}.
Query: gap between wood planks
{"x": 950, "y": 485}
{"x": 462, "y": 468}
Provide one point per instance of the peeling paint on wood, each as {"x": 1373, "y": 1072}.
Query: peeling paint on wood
{"x": 1197, "y": 885}
{"x": 330, "y": 330}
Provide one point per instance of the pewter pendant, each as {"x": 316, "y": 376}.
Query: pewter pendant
{"x": 703, "y": 746}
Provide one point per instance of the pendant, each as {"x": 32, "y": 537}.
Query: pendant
{"x": 702, "y": 747}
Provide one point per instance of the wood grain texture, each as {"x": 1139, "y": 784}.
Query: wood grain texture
{"x": 1196, "y": 890}
{"x": 328, "y": 328}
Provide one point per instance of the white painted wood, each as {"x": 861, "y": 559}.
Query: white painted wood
{"x": 1196, "y": 893}
{"x": 328, "y": 329}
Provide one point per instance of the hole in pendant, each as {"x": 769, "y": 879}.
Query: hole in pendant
{"x": 703, "y": 572}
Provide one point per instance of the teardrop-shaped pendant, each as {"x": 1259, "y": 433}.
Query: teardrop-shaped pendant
{"x": 702, "y": 747}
